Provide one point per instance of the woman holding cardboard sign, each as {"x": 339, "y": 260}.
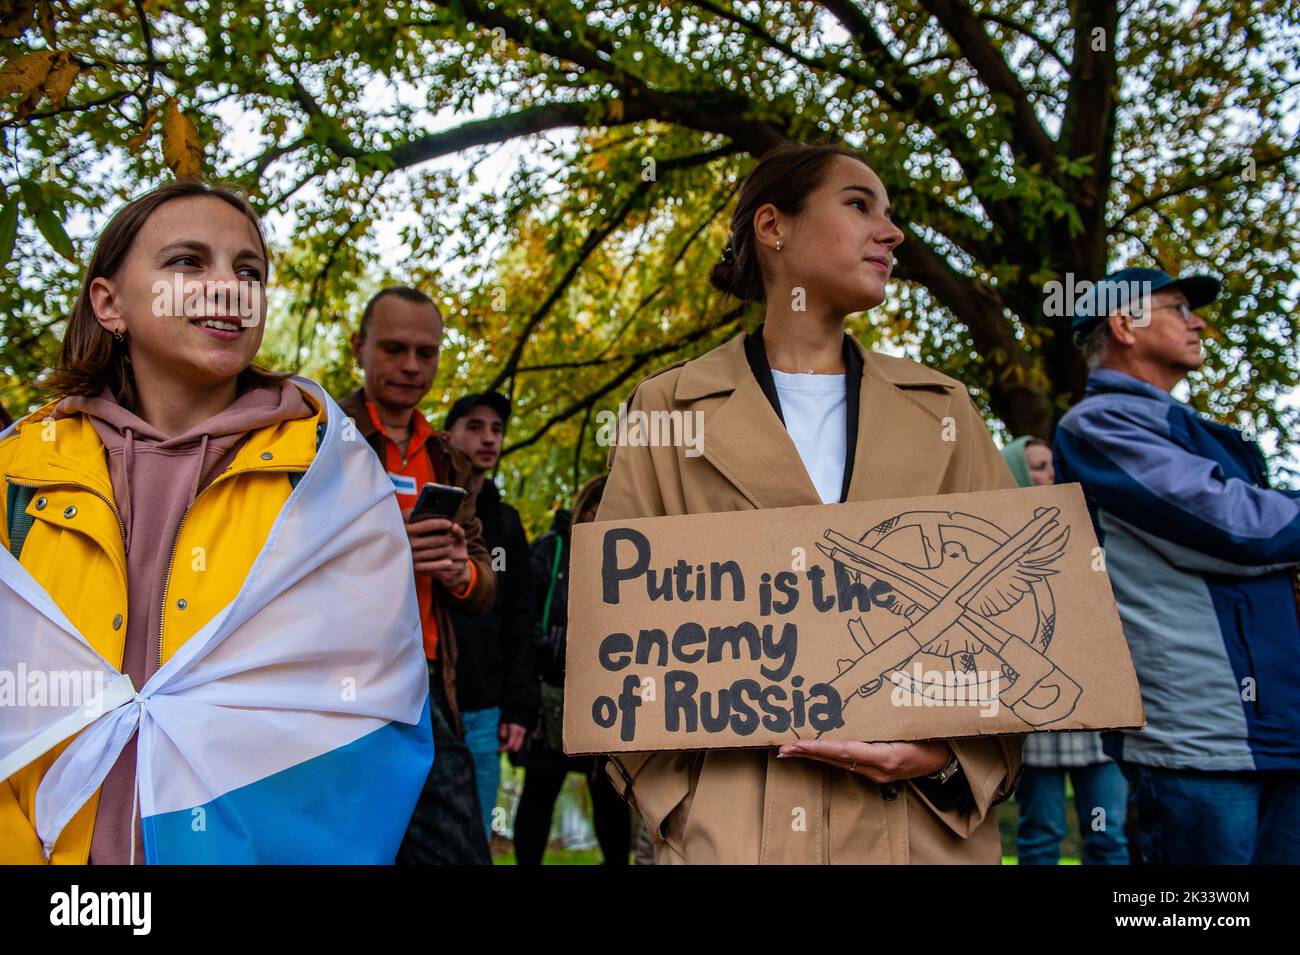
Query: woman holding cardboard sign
{"x": 797, "y": 412}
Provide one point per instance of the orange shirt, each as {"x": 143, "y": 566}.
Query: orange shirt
{"x": 409, "y": 472}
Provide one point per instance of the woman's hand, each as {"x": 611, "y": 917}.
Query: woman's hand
{"x": 879, "y": 762}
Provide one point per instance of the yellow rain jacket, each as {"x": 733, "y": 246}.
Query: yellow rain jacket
{"x": 75, "y": 550}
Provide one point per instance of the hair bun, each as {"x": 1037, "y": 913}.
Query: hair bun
{"x": 725, "y": 277}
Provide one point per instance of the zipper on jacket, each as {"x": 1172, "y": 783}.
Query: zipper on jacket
{"x": 171, "y": 554}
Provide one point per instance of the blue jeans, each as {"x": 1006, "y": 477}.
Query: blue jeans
{"x": 1191, "y": 817}
{"x": 481, "y": 729}
{"x": 1041, "y": 798}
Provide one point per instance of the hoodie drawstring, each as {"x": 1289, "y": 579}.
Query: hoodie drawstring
{"x": 199, "y": 468}
{"x": 127, "y": 454}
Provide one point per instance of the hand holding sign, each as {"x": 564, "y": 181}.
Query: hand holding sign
{"x": 879, "y": 762}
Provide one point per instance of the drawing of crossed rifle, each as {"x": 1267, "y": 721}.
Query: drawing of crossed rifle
{"x": 1000, "y": 579}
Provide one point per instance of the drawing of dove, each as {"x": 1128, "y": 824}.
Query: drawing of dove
{"x": 998, "y": 595}
{"x": 1006, "y": 589}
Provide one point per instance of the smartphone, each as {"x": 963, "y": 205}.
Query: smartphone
{"x": 437, "y": 500}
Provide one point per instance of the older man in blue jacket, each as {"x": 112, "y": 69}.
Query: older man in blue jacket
{"x": 1202, "y": 555}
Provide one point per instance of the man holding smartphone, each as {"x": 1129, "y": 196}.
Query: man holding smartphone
{"x": 397, "y": 348}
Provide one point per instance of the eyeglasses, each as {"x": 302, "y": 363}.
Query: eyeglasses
{"x": 1184, "y": 310}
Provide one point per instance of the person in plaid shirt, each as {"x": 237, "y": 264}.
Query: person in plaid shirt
{"x": 1100, "y": 790}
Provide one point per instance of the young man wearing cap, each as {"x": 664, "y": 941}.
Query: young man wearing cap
{"x": 1201, "y": 554}
{"x": 495, "y": 683}
{"x": 397, "y": 347}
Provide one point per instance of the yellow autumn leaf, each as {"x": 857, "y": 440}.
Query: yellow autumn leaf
{"x": 616, "y": 111}
{"x": 61, "y": 76}
{"x": 26, "y": 73}
{"x": 182, "y": 150}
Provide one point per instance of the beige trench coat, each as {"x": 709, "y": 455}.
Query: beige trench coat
{"x": 746, "y": 806}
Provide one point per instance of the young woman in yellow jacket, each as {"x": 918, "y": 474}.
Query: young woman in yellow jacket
{"x": 141, "y": 496}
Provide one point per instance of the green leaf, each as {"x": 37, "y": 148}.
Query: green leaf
{"x": 52, "y": 229}
{"x": 32, "y": 196}
{"x": 8, "y": 228}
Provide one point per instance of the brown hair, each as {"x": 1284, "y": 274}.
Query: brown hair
{"x": 405, "y": 293}
{"x": 783, "y": 177}
{"x": 90, "y": 358}
{"x": 589, "y": 495}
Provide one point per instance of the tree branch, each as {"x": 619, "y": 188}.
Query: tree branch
{"x": 638, "y": 361}
{"x": 260, "y": 163}
{"x": 968, "y": 33}
{"x": 902, "y": 89}
{"x": 1024, "y": 31}
{"x": 1088, "y": 126}
{"x": 757, "y": 31}
{"x": 667, "y": 271}
{"x": 1087, "y": 130}
{"x": 534, "y": 119}
{"x": 592, "y": 242}
{"x": 151, "y": 61}
{"x": 1155, "y": 256}
{"x": 337, "y": 141}
{"x": 340, "y": 240}
{"x": 577, "y": 446}
{"x": 1233, "y": 168}
{"x": 16, "y": 121}
{"x": 723, "y": 111}
{"x": 981, "y": 310}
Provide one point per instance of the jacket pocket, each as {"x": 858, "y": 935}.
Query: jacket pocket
{"x": 660, "y": 784}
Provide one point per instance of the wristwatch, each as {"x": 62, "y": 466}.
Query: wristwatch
{"x": 948, "y": 772}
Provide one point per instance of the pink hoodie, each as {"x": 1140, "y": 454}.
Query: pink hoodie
{"x": 155, "y": 480}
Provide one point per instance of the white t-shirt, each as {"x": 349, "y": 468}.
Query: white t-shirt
{"x": 814, "y": 408}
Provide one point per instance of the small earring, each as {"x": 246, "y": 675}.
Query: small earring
{"x": 778, "y": 245}
{"x": 118, "y": 336}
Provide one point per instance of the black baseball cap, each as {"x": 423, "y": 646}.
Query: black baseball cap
{"x": 493, "y": 399}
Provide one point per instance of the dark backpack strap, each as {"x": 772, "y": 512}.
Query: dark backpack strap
{"x": 295, "y": 477}
{"x": 20, "y": 522}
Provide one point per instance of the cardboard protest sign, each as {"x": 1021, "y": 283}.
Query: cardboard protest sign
{"x": 921, "y": 618}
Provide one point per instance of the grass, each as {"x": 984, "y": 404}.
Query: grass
{"x": 503, "y": 853}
